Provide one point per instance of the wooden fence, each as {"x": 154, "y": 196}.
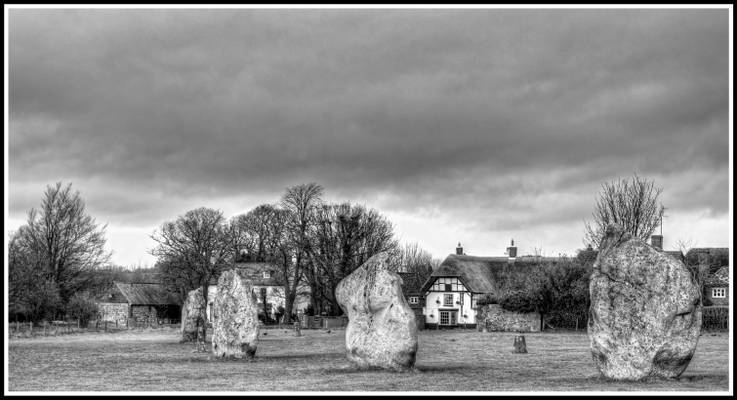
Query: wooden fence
{"x": 44, "y": 328}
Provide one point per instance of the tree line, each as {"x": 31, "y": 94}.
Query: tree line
{"x": 313, "y": 244}
{"x": 58, "y": 263}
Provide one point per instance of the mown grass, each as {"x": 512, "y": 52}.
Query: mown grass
{"x": 153, "y": 360}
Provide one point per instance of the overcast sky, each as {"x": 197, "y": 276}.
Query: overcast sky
{"x": 475, "y": 126}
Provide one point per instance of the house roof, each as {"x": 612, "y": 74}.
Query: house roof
{"x": 718, "y": 278}
{"x": 715, "y": 257}
{"x": 140, "y": 293}
{"x": 410, "y": 283}
{"x": 485, "y": 274}
{"x": 254, "y": 271}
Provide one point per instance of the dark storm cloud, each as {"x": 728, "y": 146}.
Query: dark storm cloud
{"x": 499, "y": 112}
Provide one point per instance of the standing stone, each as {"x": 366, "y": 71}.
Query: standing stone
{"x": 645, "y": 314}
{"x": 519, "y": 344}
{"x": 235, "y": 322}
{"x": 192, "y": 309}
{"x": 381, "y": 330}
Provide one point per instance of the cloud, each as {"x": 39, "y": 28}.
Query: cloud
{"x": 488, "y": 119}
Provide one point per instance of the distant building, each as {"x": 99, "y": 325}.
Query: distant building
{"x": 716, "y": 287}
{"x": 412, "y": 290}
{"x": 453, "y": 289}
{"x": 267, "y": 286}
{"x": 140, "y": 302}
{"x": 713, "y": 262}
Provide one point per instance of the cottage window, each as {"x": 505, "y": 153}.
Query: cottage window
{"x": 719, "y": 293}
{"x": 413, "y": 300}
{"x": 267, "y": 274}
{"x": 448, "y": 300}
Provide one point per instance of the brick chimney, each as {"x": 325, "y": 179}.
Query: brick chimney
{"x": 512, "y": 251}
{"x": 459, "y": 249}
{"x": 657, "y": 241}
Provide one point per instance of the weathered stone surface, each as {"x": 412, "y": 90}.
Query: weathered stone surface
{"x": 193, "y": 308}
{"x": 645, "y": 315}
{"x": 235, "y": 318}
{"x": 381, "y": 331}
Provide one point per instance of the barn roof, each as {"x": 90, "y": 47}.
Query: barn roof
{"x": 141, "y": 293}
{"x": 718, "y": 278}
{"x": 485, "y": 274}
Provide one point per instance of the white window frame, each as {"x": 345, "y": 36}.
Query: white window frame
{"x": 413, "y": 300}
{"x": 719, "y": 293}
{"x": 447, "y": 303}
{"x": 266, "y": 274}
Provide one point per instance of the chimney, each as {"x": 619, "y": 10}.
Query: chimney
{"x": 512, "y": 251}
{"x": 459, "y": 249}
{"x": 657, "y": 241}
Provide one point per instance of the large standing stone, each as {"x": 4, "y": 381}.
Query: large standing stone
{"x": 645, "y": 315}
{"x": 193, "y": 308}
{"x": 381, "y": 330}
{"x": 235, "y": 318}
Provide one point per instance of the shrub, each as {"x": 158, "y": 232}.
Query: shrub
{"x": 82, "y": 307}
{"x": 518, "y": 302}
{"x": 487, "y": 298}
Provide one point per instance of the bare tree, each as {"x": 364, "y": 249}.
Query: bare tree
{"x": 32, "y": 293}
{"x": 254, "y": 232}
{"x": 684, "y": 245}
{"x": 299, "y": 203}
{"x": 195, "y": 248}
{"x": 413, "y": 259}
{"x": 631, "y": 203}
{"x": 65, "y": 243}
{"x": 342, "y": 238}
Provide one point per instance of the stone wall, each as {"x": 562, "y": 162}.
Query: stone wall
{"x": 144, "y": 314}
{"x": 113, "y": 312}
{"x": 495, "y": 318}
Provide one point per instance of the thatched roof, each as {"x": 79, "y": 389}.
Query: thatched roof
{"x": 719, "y": 278}
{"x": 486, "y": 274}
{"x": 140, "y": 294}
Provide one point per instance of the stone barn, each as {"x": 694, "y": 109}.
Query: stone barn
{"x": 139, "y": 302}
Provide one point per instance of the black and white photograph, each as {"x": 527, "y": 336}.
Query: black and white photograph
{"x": 310, "y": 199}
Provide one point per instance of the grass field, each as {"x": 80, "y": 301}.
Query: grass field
{"x": 153, "y": 360}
